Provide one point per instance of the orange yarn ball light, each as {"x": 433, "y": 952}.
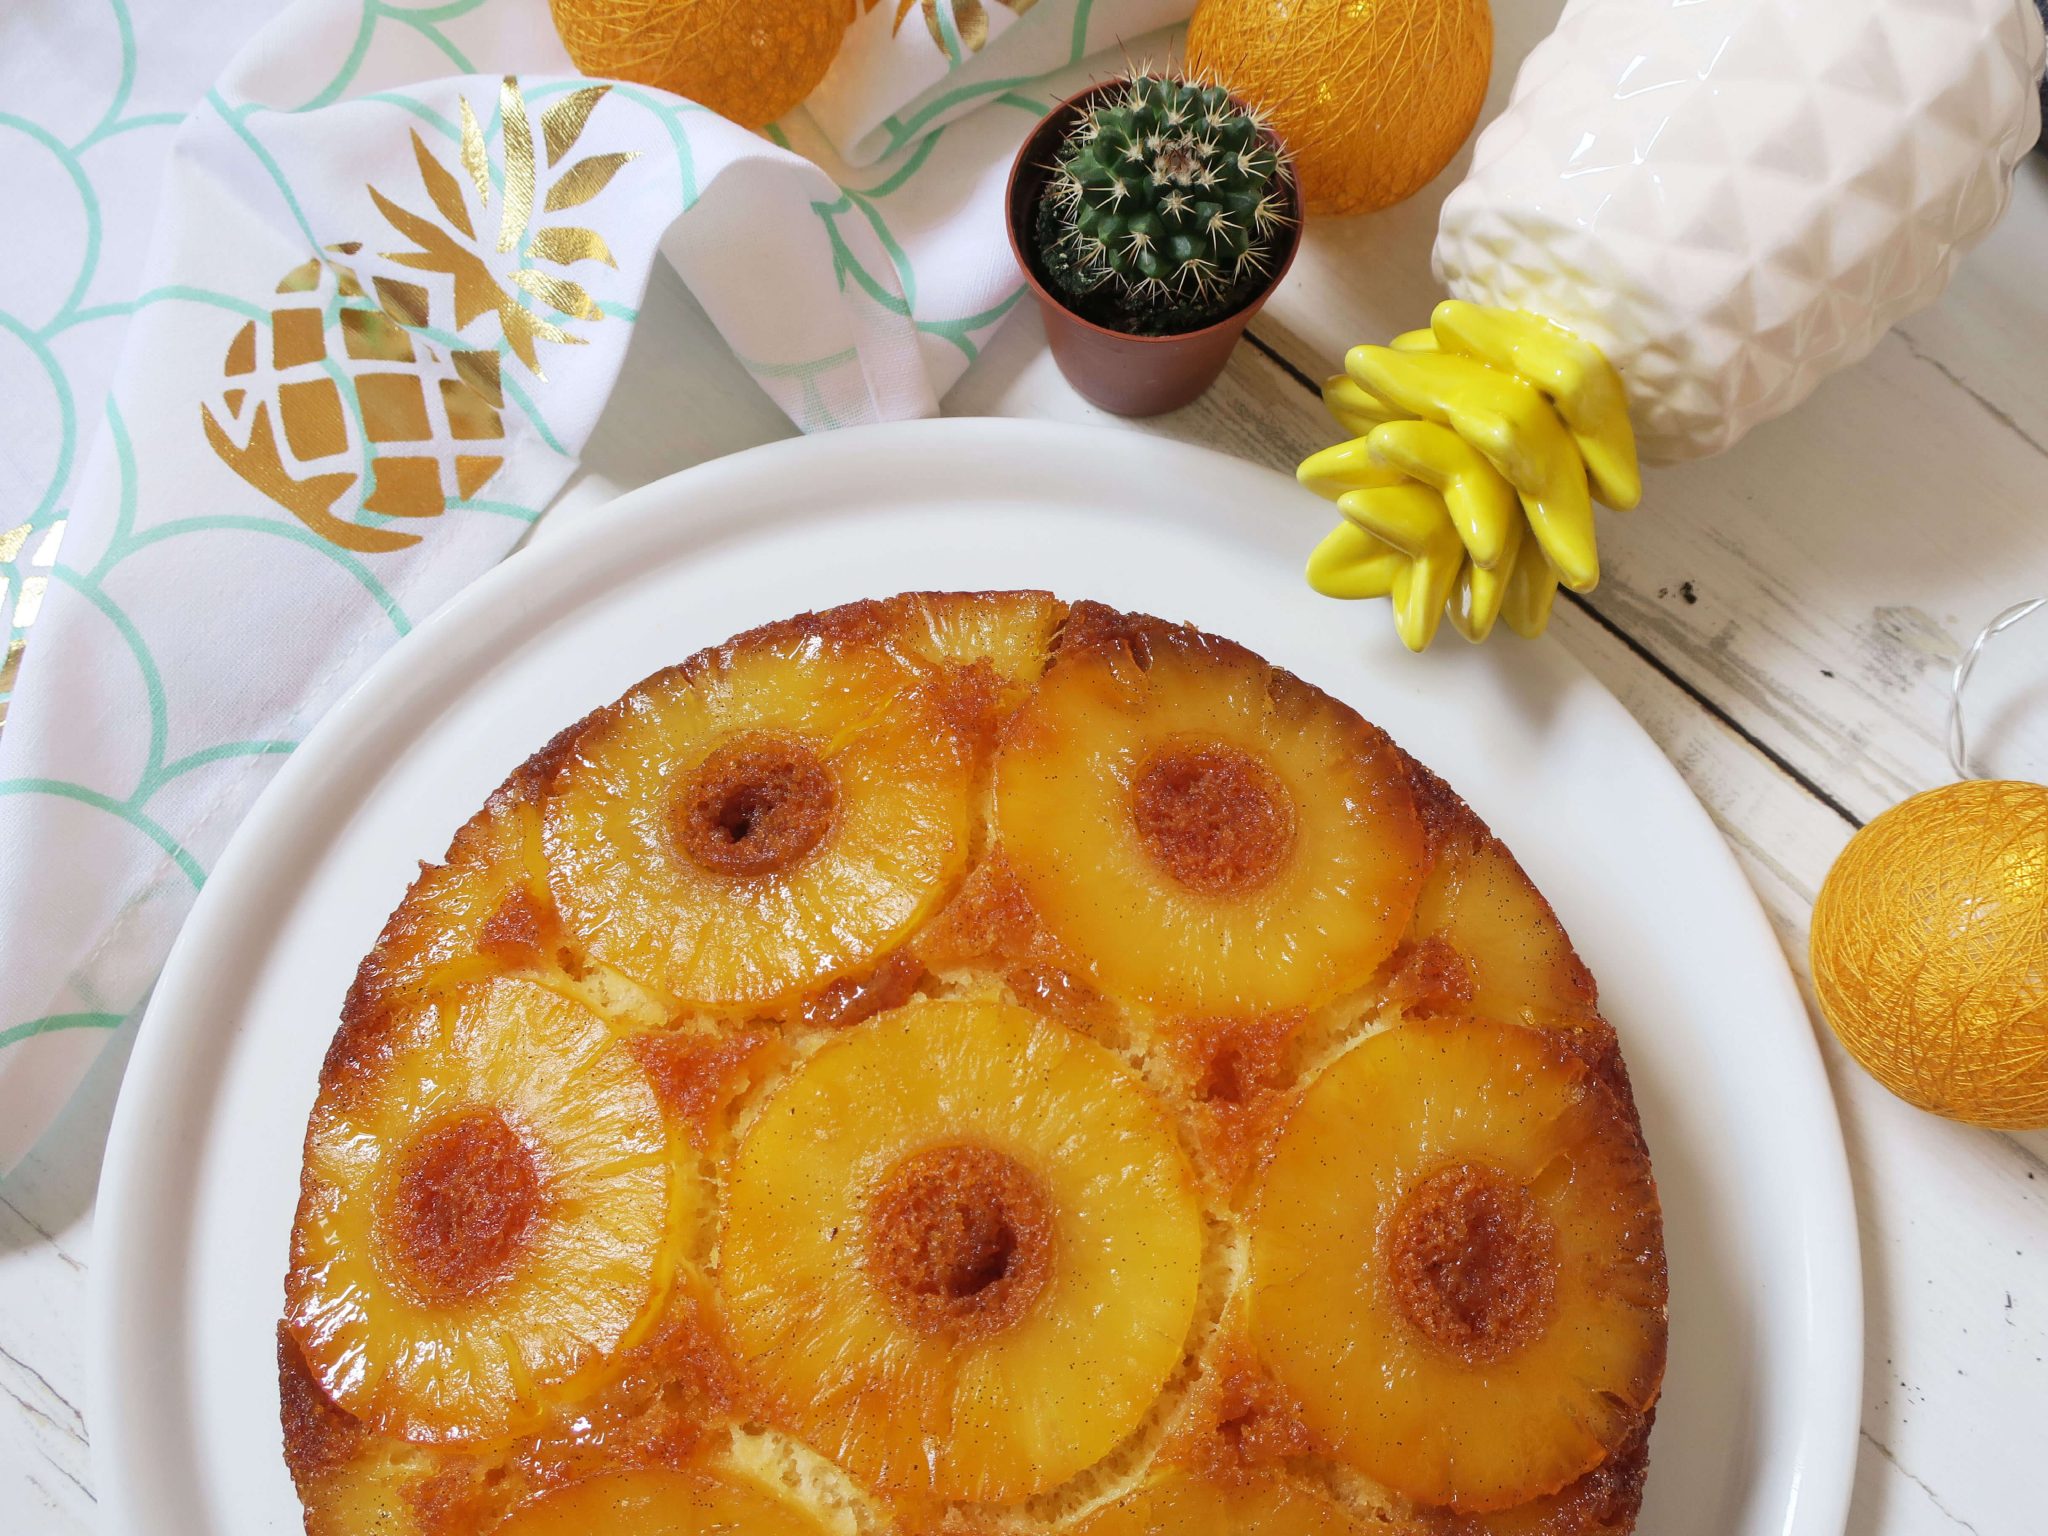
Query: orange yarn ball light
{"x": 749, "y": 60}
{"x": 1372, "y": 97}
{"x": 1930, "y": 951}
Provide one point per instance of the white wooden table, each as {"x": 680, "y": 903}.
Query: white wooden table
{"x": 1781, "y": 620}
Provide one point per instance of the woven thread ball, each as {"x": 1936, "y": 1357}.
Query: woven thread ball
{"x": 748, "y": 60}
{"x": 1372, "y": 97}
{"x": 1930, "y": 951}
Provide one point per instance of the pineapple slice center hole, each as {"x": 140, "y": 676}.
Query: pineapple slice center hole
{"x": 760, "y": 804}
{"x": 464, "y": 1206}
{"x": 1213, "y": 817}
{"x": 1472, "y": 1262}
{"x": 959, "y": 1239}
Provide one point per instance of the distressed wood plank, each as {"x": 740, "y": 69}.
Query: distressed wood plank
{"x": 1983, "y": 335}
{"x": 45, "y": 1222}
{"x": 1953, "y": 1222}
{"x": 44, "y": 1460}
{"x": 1821, "y": 579}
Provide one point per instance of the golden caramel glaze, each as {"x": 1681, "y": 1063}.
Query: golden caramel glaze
{"x": 750, "y": 1120}
{"x": 663, "y": 1502}
{"x": 490, "y": 1207}
{"x": 887, "y": 984}
{"x": 989, "y": 920}
{"x": 1238, "y": 1425}
{"x": 1485, "y": 943}
{"x": 318, "y": 1437}
{"x": 1473, "y": 878}
{"x": 772, "y": 816}
{"x": 664, "y": 1409}
{"x": 670, "y": 1396}
{"x": 1029, "y": 1183}
{"x": 1239, "y": 1074}
{"x": 700, "y": 1077}
{"x": 1011, "y": 633}
{"x": 991, "y": 926}
{"x": 1170, "y": 1503}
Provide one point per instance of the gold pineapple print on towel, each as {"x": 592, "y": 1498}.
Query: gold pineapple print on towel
{"x": 970, "y": 19}
{"x": 342, "y": 392}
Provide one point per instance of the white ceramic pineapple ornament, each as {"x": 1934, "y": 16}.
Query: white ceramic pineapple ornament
{"x": 1689, "y": 213}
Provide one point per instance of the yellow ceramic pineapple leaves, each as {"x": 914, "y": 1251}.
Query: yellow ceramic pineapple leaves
{"x": 1479, "y": 593}
{"x": 1356, "y": 408}
{"x": 1573, "y": 373}
{"x": 1511, "y": 422}
{"x": 1482, "y": 504}
{"x": 1349, "y": 466}
{"x": 1494, "y": 428}
{"x": 1353, "y": 563}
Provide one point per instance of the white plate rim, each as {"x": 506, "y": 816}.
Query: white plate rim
{"x": 138, "y": 1172}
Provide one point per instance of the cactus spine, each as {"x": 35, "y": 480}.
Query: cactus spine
{"x": 1166, "y": 190}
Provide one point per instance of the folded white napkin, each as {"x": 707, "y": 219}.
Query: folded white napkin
{"x": 397, "y": 253}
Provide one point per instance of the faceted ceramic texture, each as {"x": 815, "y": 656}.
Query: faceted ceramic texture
{"x": 1733, "y": 197}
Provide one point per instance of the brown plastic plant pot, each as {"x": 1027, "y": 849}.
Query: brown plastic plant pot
{"x": 1125, "y": 374}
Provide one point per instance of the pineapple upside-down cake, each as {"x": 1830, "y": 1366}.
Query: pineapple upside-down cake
{"x": 963, "y": 1063}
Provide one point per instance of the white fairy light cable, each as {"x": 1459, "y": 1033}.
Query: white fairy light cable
{"x": 1958, "y": 746}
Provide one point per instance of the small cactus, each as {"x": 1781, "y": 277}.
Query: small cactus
{"x": 1165, "y": 192}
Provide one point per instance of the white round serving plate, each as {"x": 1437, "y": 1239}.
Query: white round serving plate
{"x": 1757, "y": 1430}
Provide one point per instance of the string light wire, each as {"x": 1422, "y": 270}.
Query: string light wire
{"x": 1958, "y": 744}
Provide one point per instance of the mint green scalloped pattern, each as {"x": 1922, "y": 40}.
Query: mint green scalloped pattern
{"x": 897, "y": 291}
{"x": 43, "y": 522}
{"x": 53, "y": 1022}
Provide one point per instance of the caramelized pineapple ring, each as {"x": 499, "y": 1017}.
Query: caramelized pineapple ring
{"x": 1486, "y": 942}
{"x": 1174, "y": 1504}
{"x": 753, "y": 825}
{"x": 962, "y": 1249}
{"x": 489, "y": 1211}
{"x": 1457, "y": 1264}
{"x": 1011, "y": 631}
{"x": 1604, "y": 1502}
{"x": 484, "y": 911}
{"x": 1209, "y": 835}
{"x": 660, "y": 1502}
